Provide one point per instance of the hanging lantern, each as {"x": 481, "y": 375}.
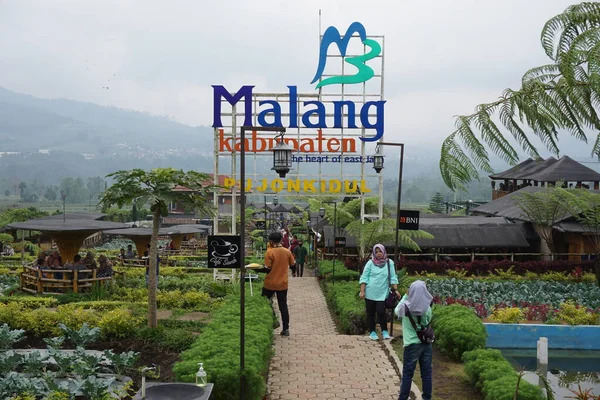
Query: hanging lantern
{"x": 378, "y": 160}
{"x": 282, "y": 157}
{"x": 321, "y": 212}
{"x": 275, "y": 201}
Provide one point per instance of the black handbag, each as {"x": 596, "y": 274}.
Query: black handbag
{"x": 425, "y": 334}
{"x": 391, "y": 301}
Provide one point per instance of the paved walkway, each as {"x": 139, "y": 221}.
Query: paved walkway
{"x": 315, "y": 362}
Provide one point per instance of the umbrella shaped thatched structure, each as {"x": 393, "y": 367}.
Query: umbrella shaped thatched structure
{"x": 177, "y": 232}
{"x": 68, "y": 234}
{"x": 139, "y": 236}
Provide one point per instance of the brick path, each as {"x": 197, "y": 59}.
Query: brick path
{"x": 315, "y": 362}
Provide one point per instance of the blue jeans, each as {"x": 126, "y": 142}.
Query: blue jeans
{"x": 413, "y": 353}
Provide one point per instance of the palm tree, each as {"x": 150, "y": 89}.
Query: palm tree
{"x": 156, "y": 188}
{"x": 369, "y": 233}
{"x": 561, "y": 95}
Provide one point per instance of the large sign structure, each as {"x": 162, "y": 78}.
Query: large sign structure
{"x": 331, "y": 130}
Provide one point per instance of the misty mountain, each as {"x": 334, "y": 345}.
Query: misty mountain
{"x": 28, "y": 123}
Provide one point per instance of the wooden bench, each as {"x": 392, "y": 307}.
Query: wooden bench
{"x": 45, "y": 281}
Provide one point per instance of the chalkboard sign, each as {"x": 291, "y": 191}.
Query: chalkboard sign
{"x": 224, "y": 251}
{"x": 261, "y": 225}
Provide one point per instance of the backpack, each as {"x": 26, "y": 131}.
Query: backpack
{"x": 425, "y": 334}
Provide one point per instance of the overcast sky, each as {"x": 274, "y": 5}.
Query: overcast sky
{"x": 443, "y": 57}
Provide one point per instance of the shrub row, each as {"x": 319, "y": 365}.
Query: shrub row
{"x": 218, "y": 348}
{"x": 343, "y": 300}
{"x": 44, "y": 322}
{"x": 493, "y": 375}
{"x": 30, "y": 302}
{"x": 484, "y": 267}
{"x": 341, "y": 272}
{"x": 187, "y": 299}
{"x": 457, "y": 329}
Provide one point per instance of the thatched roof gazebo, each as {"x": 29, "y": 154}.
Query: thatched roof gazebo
{"x": 139, "y": 236}
{"x": 68, "y": 234}
{"x": 177, "y": 232}
{"x": 544, "y": 172}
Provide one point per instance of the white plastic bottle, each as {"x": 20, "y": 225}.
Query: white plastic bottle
{"x": 201, "y": 376}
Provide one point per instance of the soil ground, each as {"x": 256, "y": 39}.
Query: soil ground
{"x": 449, "y": 379}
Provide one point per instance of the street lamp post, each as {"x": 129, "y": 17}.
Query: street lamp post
{"x": 322, "y": 214}
{"x": 282, "y": 162}
{"x": 378, "y": 166}
{"x": 314, "y": 242}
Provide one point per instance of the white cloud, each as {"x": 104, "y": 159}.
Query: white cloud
{"x": 442, "y": 57}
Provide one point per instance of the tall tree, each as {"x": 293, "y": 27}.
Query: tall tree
{"x": 562, "y": 95}
{"x": 155, "y": 187}
{"x": 437, "y": 203}
{"x": 584, "y": 205}
{"x": 544, "y": 210}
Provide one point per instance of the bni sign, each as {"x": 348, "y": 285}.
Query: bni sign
{"x": 408, "y": 220}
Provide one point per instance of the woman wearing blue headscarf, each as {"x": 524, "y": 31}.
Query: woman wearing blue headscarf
{"x": 374, "y": 288}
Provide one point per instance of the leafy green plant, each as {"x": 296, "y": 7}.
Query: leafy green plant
{"x": 80, "y": 337}
{"x": 8, "y": 337}
{"x": 55, "y": 342}
{"x": 491, "y": 373}
{"x": 572, "y": 314}
{"x": 9, "y": 361}
{"x": 218, "y": 348}
{"x": 507, "y": 315}
{"x": 491, "y": 293}
{"x": 30, "y": 302}
{"x": 33, "y": 362}
{"x": 458, "y": 329}
{"x": 123, "y": 362}
{"x": 118, "y": 323}
{"x": 341, "y": 272}
{"x": 457, "y": 273}
{"x": 343, "y": 300}
{"x": 509, "y": 274}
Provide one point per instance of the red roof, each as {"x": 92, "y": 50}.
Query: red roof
{"x": 220, "y": 182}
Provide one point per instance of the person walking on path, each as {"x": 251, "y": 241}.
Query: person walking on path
{"x": 379, "y": 273}
{"x": 278, "y": 259}
{"x": 418, "y": 301}
{"x": 300, "y": 254}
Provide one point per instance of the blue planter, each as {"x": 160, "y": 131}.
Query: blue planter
{"x": 525, "y": 336}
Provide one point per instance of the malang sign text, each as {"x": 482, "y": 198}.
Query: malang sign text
{"x": 313, "y": 114}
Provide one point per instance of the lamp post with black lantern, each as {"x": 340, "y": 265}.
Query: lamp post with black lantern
{"x": 322, "y": 214}
{"x": 378, "y": 166}
{"x": 282, "y": 163}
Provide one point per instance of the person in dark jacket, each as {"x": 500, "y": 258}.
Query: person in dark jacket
{"x": 300, "y": 254}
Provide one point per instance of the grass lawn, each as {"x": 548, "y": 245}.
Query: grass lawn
{"x": 449, "y": 379}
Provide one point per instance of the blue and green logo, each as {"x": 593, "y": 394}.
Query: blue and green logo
{"x": 364, "y": 73}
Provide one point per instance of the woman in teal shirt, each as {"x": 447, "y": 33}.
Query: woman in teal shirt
{"x": 418, "y": 300}
{"x": 374, "y": 288}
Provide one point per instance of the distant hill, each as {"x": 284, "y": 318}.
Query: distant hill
{"x": 28, "y": 123}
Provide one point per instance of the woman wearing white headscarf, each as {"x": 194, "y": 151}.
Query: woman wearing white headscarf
{"x": 418, "y": 300}
{"x": 374, "y": 287}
